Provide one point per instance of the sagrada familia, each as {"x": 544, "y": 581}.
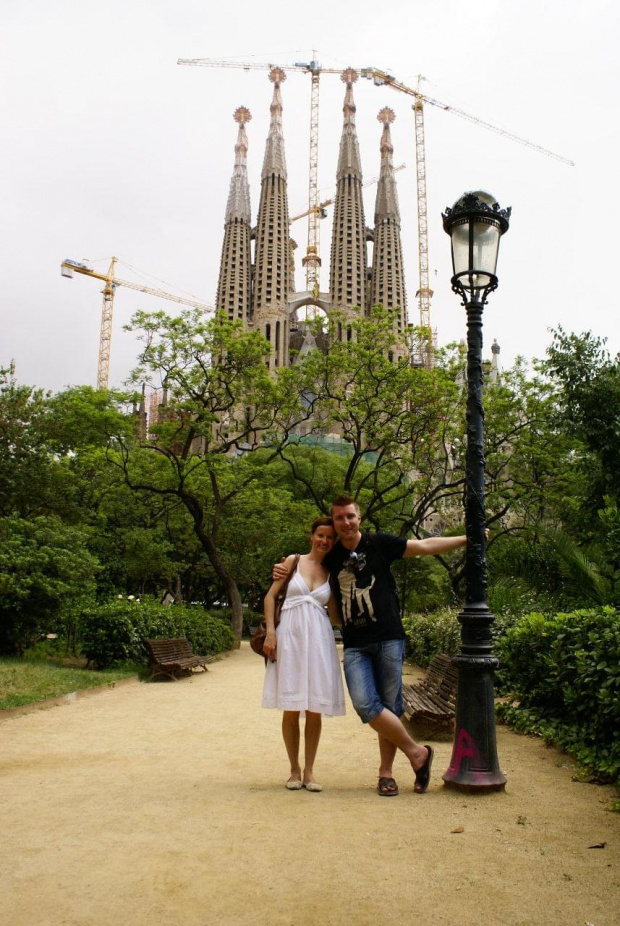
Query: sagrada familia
{"x": 260, "y": 292}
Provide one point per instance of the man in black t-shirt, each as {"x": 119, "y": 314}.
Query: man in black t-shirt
{"x": 373, "y": 634}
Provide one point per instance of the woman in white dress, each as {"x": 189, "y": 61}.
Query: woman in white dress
{"x": 305, "y": 675}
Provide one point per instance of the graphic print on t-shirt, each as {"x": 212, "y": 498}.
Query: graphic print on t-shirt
{"x": 352, "y": 593}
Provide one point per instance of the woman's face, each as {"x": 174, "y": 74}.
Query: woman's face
{"x": 323, "y": 539}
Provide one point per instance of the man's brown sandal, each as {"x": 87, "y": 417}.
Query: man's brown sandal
{"x": 387, "y": 787}
{"x": 423, "y": 774}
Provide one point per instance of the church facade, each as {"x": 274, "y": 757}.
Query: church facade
{"x": 256, "y": 279}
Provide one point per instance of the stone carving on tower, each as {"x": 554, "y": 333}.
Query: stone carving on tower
{"x": 387, "y": 279}
{"x": 348, "y": 253}
{"x": 234, "y": 292}
{"x": 272, "y": 282}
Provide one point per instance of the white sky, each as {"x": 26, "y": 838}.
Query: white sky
{"x": 110, "y": 148}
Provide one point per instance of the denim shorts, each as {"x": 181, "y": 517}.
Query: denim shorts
{"x": 374, "y": 675}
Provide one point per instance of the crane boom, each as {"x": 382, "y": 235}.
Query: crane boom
{"x": 308, "y": 68}
{"x": 68, "y": 267}
{"x": 380, "y": 78}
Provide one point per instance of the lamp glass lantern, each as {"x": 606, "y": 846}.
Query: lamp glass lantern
{"x": 475, "y": 224}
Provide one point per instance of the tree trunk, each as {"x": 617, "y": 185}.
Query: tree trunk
{"x": 221, "y": 570}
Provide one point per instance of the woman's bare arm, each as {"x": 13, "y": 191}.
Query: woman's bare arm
{"x": 269, "y": 646}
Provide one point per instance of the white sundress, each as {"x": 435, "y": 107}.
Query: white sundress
{"x": 306, "y": 674}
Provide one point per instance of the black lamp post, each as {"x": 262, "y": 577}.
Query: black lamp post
{"x": 475, "y": 224}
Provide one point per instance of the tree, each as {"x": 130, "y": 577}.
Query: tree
{"x": 393, "y": 420}
{"x": 220, "y": 403}
{"x": 588, "y": 398}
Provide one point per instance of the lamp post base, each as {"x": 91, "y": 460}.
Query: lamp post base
{"x": 474, "y": 765}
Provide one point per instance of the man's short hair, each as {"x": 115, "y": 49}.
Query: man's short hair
{"x": 341, "y": 501}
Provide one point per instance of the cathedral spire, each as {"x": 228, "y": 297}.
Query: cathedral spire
{"x": 272, "y": 284}
{"x": 348, "y": 254}
{"x": 388, "y": 281}
{"x": 234, "y": 293}
{"x": 275, "y": 161}
{"x": 349, "y": 163}
{"x": 386, "y": 205}
{"x": 239, "y": 196}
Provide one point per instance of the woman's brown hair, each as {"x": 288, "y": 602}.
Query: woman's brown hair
{"x": 323, "y": 521}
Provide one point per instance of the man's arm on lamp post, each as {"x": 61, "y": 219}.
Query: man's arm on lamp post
{"x": 434, "y": 546}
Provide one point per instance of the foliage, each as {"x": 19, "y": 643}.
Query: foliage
{"x": 113, "y": 632}
{"x": 43, "y": 566}
{"x": 589, "y": 403}
{"x": 546, "y": 569}
{"x": 429, "y": 634}
{"x": 564, "y": 675}
{"x": 423, "y": 584}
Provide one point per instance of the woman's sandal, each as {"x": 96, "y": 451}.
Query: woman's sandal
{"x": 294, "y": 784}
{"x": 313, "y": 786}
{"x": 423, "y": 774}
{"x": 387, "y": 787}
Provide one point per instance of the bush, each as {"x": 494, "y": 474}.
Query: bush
{"x": 113, "y": 632}
{"x": 43, "y": 566}
{"x": 428, "y": 634}
{"x": 564, "y": 674}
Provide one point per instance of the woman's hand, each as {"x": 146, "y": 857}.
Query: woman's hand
{"x": 269, "y": 646}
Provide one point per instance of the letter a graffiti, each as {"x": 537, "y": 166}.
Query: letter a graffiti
{"x": 465, "y": 748}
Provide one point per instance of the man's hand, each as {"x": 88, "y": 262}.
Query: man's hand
{"x": 279, "y": 570}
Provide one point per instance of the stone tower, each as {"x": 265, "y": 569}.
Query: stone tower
{"x": 387, "y": 279}
{"x": 272, "y": 265}
{"x": 348, "y": 254}
{"x": 234, "y": 291}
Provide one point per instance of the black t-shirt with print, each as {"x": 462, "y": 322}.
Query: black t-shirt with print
{"x": 366, "y": 590}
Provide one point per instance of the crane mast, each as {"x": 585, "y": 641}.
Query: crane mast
{"x": 105, "y": 334}
{"x": 312, "y": 260}
{"x": 424, "y": 348}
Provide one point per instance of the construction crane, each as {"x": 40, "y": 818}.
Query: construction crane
{"x": 424, "y": 293}
{"x": 69, "y": 267}
{"x": 312, "y": 260}
{"x": 321, "y": 208}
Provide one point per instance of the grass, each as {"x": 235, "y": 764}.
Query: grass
{"x": 24, "y": 681}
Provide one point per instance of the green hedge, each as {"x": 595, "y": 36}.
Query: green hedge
{"x": 113, "y": 632}
{"x": 428, "y": 634}
{"x": 563, "y": 675}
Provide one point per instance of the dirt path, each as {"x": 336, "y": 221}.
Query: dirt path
{"x": 164, "y": 804}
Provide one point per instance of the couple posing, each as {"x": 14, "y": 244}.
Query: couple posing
{"x": 348, "y": 572}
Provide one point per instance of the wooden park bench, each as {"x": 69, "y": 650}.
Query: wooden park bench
{"x": 173, "y": 657}
{"x": 432, "y": 701}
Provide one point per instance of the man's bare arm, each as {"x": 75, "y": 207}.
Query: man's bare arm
{"x": 433, "y": 546}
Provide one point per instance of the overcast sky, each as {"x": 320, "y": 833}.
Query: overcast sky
{"x": 110, "y": 148}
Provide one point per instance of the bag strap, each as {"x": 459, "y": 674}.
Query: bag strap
{"x": 282, "y": 593}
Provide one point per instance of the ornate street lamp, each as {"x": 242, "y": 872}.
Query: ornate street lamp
{"x": 475, "y": 224}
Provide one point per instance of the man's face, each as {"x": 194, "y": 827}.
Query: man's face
{"x": 347, "y": 521}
